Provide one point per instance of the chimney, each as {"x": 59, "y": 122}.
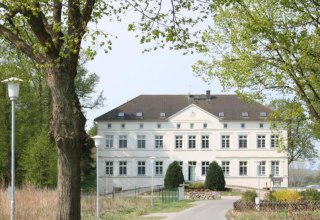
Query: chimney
{"x": 208, "y": 94}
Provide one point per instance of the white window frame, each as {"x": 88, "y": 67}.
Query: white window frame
{"x": 158, "y": 141}
{"x": 274, "y": 141}
{"x": 243, "y": 141}
{"x": 123, "y": 141}
{"x": 243, "y": 168}
{"x": 205, "y": 141}
{"x": 108, "y": 141}
{"x": 141, "y": 142}
{"x": 261, "y": 141}
{"x": 225, "y": 166}
{"x": 225, "y": 141}
{"x": 275, "y": 167}
{"x": 204, "y": 167}
{"x": 192, "y": 141}
{"x": 123, "y": 168}
{"x": 141, "y": 168}
{"x": 178, "y": 142}
{"x": 261, "y": 168}
{"x": 158, "y": 168}
{"x": 109, "y": 168}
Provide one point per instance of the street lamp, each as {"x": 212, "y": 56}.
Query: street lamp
{"x": 259, "y": 174}
{"x": 13, "y": 92}
{"x": 152, "y": 174}
{"x": 98, "y": 142}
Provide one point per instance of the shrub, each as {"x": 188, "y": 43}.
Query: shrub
{"x": 214, "y": 178}
{"x": 286, "y": 195}
{"x": 249, "y": 196}
{"x": 311, "y": 194}
{"x": 174, "y": 176}
{"x": 196, "y": 185}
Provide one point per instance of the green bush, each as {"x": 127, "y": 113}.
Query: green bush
{"x": 249, "y": 196}
{"x": 196, "y": 185}
{"x": 174, "y": 176}
{"x": 311, "y": 194}
{"x": 215, "y": 178}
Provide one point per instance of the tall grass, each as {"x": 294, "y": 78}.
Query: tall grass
{"x": 35, "y": 203}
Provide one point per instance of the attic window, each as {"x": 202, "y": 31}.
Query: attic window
{"x": 263, "y": 114}
{"x": 139, "y": 114}
{"x": 245, "y": 114}
{"x": 162, "y": 114}
{"x": 221, "y": 114}
{"x": 121, "y": 114}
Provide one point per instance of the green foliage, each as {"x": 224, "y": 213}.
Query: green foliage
{"x": 265, "y": 46}
{"x": 174, "y": 176}
{"x": 311, "y": 194}
{"x": 39, "y": 161}
{"x": 196, "y": 185}
{"x": 289, "y": 115}
{"x": 286, "y": 195}
{"x": 88, "y": 167}
{"x": 249, "y": 196}
{"x": 215, "y": 177}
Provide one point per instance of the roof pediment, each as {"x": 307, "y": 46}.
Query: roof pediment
{"x": 192, "y": 113}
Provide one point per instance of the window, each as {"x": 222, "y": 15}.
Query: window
{"x": 261, "y": 141}
{"x": 225, "y": 166}
{"x": 178, "y": 126}
{"x": 141, "y": 126}
{"x": 159, "y": 167}
{"x": 245, "y": 114}
{"x": 122, "y": 167}
{"x": 261, "y": 168}
{"x": 243, "y": 168}
{"x": 123, "y": 125}
{"x": 204, "y": 167}
{"x": 162, "y": 114}
{"x": 141, "y": 168}
{"x": 205, "y": 141}
{"x": 221, "y": 114}
{"x": 158, "y": 126}
{"x": 139, "y": 114}
{"x": 121, "y": 114}
{"x": 205, "y": 125}
{"x": 261, "y": 125}
{"x": 158, "y": 141}
{"x": 274, "y": 141}
{"x": 263, "y": 114}
{"x": 191, "y": 125}
{"x": 179, "y": 141}
{"x": 141, "y": 141}
{"x": 242, "y": 125}
{"x": 180, "y": 163}
{"x": 109, "y": 168}
{"x": 242, "y": 141}
{"x": 225, "y": 125}
{"x": 109, "y": 125}
{"x": 109, "y": 141}
{"x": 123, "y": 141}
{"x": 275, "y": 167}
{"x": 225, "y": 141}
{"x": 192, "y": 141}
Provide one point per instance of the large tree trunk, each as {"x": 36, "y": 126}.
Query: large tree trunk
{"x": 67, "y": 129}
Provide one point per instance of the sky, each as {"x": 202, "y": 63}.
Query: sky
{"x": 126, "y": 72}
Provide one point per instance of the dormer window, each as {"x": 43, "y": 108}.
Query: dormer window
{"x": 162, "y": 114}
{"x": 121, "y": 114}
{"x": 221, "y": 114}
{"x": 139, "y": 114}
{"x": 245, "y": 114}
{"x": 263, "y": 114}
{"x": 179, "y": 126}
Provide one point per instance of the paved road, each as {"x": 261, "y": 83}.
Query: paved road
{"x": 203, "y": 210}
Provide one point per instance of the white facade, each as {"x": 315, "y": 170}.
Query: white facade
{"x": 246, "y": 150}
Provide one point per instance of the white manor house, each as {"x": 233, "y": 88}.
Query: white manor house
{"x": 193, "y": 130}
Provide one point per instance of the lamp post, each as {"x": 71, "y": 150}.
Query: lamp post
{"x": 152, "y": 174}
{"x": 259, "y": 174}
{"x": 13, "y": 92}
{"x": 97, "y": 141}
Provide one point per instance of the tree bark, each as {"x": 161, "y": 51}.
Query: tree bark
{"x": 67, "y": 130}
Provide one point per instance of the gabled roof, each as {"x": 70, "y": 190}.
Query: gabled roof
{"x": 151, "y": 107}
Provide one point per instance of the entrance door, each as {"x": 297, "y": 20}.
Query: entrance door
{"x": 192, "y": 170}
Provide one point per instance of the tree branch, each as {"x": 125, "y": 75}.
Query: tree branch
{"x": 20, "y": 44}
